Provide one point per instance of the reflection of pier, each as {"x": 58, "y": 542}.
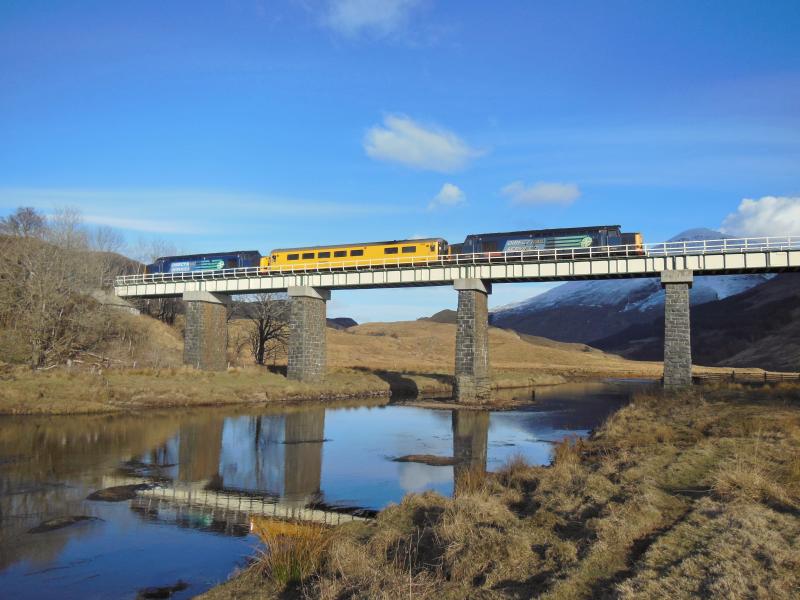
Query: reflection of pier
{"x": 470, "y": 441}
{"x": 228, "y": 505}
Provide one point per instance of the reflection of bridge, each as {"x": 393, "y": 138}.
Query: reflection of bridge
{"x": 208, "y": 293}
{"x": 268, "y": 465}
{"x": 229, "y": 470}
{"x": 224, "y": 504}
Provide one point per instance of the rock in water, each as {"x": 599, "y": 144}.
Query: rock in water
{"x": 60, "y": 523}
{"x": 427, "y": 459}
{"x": 118, "y": 493}
{"x": 161, "y": 592}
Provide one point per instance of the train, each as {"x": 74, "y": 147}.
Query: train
{"x": 216, "y": 261}
{"x": 580, "y": 241}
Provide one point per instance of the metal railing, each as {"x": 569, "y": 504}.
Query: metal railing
{"x": 687, "y": 248}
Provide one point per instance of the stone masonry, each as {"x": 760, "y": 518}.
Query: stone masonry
{"x": 307, "y": 359}
{"x": 206, "y": 336}
{"x": 677, "y": 336}
{"x": 472, "y": 382}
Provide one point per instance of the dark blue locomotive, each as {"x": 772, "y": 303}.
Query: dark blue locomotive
{"x": 216, "y": 261}
{"x": 544, "y": 239}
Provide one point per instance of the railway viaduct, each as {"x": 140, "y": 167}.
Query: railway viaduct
{"x": 207, "y": 295}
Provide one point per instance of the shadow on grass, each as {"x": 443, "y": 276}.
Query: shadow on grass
{"x": 401, "y": 385}
{"x": 277, "y": 369}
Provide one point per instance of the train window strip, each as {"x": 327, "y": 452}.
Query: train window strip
{"x": 409, "y": 249}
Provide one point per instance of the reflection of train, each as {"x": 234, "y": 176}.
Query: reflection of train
{"x": 581, "y": 242}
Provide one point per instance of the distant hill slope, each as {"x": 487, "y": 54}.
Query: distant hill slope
{"x": 443, "y": 316}
{"x": 586, "y": 311}
{"x": 757, "y": 328}
{"x": 425, "y": 347}
{"x": 341, "y": 322}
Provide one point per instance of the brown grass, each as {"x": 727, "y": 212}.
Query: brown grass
{"x": 676, "y": 496}
{"x": 292, "y": 552}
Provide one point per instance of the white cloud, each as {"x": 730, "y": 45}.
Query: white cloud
{"x": 449, "y": 195}
{"x": 377, "y": 17}
{"x": 767, "y": 216}
{"x": 401, "y": 139}
{"x": 542, "y": 192}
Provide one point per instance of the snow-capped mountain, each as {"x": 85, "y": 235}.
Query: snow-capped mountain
{"x": 584, "y": 311}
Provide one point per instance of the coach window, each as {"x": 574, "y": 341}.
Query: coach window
{"x": 308, "y": 255}
{"x": 356, "y": 253}
{"x": 409, "y": 249}
{"x": 339, "y": 253}
{"x": 390, "y": 250}
{"x": 292, "y": 256}
{"x": 323, "y": 255}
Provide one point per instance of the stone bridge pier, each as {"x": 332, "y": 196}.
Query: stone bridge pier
{"x": 206, "y": 335}
{"x": 472, "y": 381}
{"x": 677, "y": 335}
{"x": 307, "y": 322}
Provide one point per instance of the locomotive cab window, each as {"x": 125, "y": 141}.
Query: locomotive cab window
{"x": 323, "y": 255}
{"x": 292, "y": 256}
{"x": 409, "y": 249}
{"x": 390, "y": 250}
{"x": 339, "y": 253}
{"x": 356, "y": 253}
{"x": 308, "y": 255}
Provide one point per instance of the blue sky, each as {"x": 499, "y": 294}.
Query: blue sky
{"x": 258, "y": 124}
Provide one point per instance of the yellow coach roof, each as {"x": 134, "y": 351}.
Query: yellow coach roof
{"x": 390, "y": 242}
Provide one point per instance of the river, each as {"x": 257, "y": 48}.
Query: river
{"x": 202, "y": 473}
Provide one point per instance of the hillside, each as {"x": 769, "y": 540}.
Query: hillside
{"x": 626, "y": 316}
{"x": 429, "y": 347}
{"x": 757, "y": 328}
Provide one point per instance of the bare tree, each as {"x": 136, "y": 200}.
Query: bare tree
{"x": 268, "y": 315}
{"x": 66, "y": 229}
{"x": 43, "y": 303}
{"x": 106, "y": 239}
{"x": 24, "y": 222}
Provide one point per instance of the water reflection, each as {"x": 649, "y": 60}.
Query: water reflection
{"x": 210, "y": 470}
{"x": 470, "y": 441}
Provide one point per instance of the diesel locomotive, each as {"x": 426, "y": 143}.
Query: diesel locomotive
{"x": 541, "y": 243}
{"x": 190, "y": 263}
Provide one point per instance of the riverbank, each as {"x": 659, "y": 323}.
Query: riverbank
{"x": 693, "y": 494}
{"x": 65, "y": 391}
